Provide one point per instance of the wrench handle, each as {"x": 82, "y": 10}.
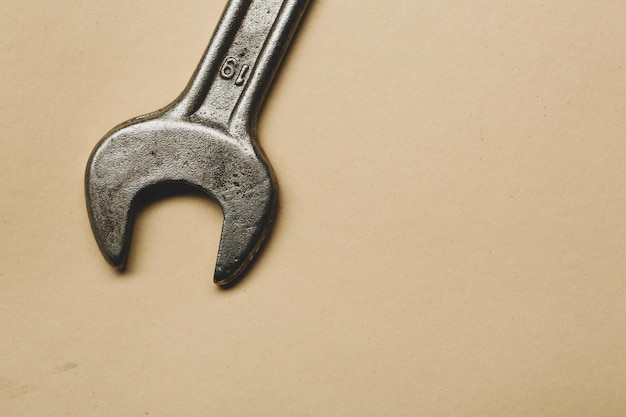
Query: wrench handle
{"x": 231, "y": 82}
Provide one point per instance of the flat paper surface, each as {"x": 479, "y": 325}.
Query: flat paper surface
{"x": 451, "y": 239}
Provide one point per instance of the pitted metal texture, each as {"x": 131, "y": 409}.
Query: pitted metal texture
{"x": 205, "y": 139}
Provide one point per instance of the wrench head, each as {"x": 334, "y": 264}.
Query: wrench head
{"x": 144, "y": 153}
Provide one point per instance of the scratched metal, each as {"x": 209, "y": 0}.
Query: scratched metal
{"x": 206, "y": 138}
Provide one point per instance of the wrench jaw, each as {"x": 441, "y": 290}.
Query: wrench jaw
{"x": 110, "y": 201}
{"x": 244, "y": 231}
{"x": 112, "y": 226}
{"x": 149, "y": 152}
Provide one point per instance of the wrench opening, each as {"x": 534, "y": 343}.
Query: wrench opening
{"x": 138, "y": 157}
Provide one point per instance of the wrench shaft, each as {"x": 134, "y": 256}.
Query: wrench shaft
{"x": 236, "y": 71}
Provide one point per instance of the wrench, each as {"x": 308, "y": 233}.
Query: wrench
{"x": 205, "y": 139}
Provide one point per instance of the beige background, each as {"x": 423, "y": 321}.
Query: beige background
{"x": 451, "y": 238}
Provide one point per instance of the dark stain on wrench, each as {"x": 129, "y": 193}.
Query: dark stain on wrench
{"x": 205, "y": 139}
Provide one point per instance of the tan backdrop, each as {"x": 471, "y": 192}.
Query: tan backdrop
{"x": 451, "y": 238}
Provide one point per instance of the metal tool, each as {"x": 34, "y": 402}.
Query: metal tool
{"x": 206, "y": 138}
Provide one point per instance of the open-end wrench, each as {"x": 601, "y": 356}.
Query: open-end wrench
{"x": 206, "y": 138}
